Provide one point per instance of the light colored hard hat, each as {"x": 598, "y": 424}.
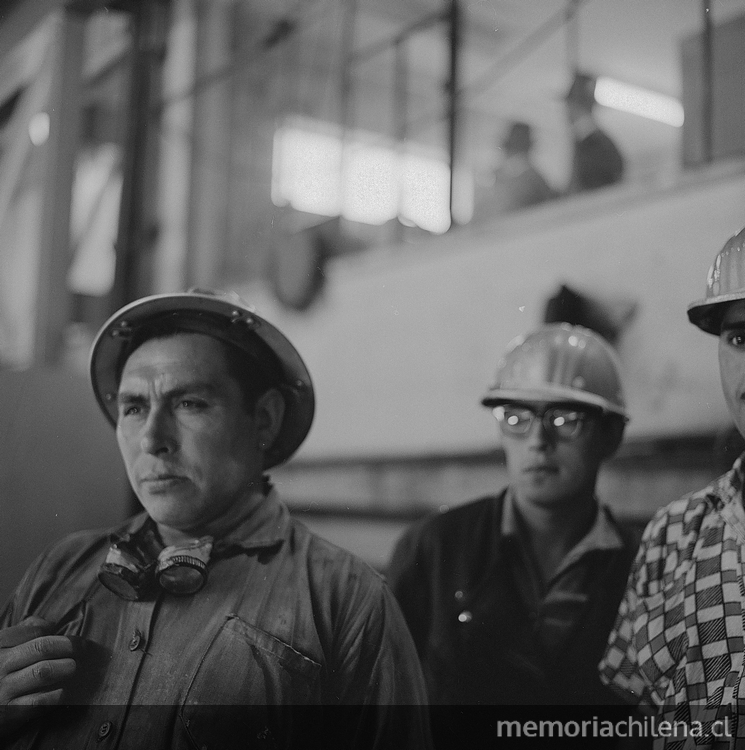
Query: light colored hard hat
{"x": 226, "y": 317}
{"x": 725, "y": 283}
{"x": 559, "y": 362}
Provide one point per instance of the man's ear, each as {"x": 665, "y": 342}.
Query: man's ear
{"x": 269, "y": 412}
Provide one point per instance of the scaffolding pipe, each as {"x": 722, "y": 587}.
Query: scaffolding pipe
{"x": 400, "y": 120}
{"x": 452, "y": 95}
{"x": 53, "y": 300}
{"x": 346, "y": 101}
{"x": 572, "y": 35}
{"x": 707, "y": 104}
{"x": 137, "y": 167}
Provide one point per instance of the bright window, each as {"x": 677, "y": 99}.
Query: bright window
{"x": 305, "y": 171}
{"x": 363, "y": 177}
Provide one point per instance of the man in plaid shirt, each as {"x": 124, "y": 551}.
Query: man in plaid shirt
{"x": 677, "y": 645}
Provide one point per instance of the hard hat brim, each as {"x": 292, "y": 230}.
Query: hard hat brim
{"x": 296, "y": 385}
{"x": 498, "y": 396}
{"x": 707, "y": 313}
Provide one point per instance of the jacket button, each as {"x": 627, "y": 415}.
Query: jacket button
{"x": 465, "y": 616}
{"x": 104, "y": 729}
{"x": 135, "y": 641}
{"x": 459, "y": 596}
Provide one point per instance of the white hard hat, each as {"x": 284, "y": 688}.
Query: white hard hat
{"x": 224, "y": 316}
{"x": 559, "y": 362}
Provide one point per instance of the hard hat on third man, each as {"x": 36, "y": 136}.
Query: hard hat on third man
{"x": 559, "y": 362}
{"x": 725, "y": 283}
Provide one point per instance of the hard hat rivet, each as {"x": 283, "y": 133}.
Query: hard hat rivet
{"x": 122, "y": 329}
{"x": 247, "y": 320}
{"x": 110, "y": 397}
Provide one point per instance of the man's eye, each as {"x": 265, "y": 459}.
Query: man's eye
{"x": 736, "y": 339}
{"x": 570, "y": 418}
{"x": 191, "y": 404}
{"x": 514, "y": 419}
{"x": 130, "y": 410}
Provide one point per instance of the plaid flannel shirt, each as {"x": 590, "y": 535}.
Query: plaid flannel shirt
{"x": 677, "y": 645}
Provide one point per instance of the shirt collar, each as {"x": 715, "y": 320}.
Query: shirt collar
{"x": 729, "y": 486}
{"x": 603, "y": 534}
{"x": 726, "y": 498}
{"x": 509, "y": 523}
{"x": 265, "y": 525}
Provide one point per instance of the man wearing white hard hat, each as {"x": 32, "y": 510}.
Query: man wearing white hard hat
{"x": 677, "y": 645}
{"x": 510, "y": 598}
{"x": 212, "y": 618}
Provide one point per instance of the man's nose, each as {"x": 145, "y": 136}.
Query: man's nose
{"x": 157, "y": 432}
{"x": 539, "y": 436}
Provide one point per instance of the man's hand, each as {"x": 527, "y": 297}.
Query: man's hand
{"x": 33, "y": 666}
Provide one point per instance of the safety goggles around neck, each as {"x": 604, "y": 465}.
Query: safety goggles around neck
{"x": 564, "y": 422}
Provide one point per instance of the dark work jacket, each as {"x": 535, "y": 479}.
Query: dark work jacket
{"x": 292, "y": 643}
{"x": 597, "y": 162}
{"x": 472, "y": 631}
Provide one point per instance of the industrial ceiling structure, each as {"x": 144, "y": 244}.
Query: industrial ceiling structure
{"x": 516, "y": 62}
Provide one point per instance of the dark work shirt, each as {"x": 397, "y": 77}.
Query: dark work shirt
{"x": 556, "y": 606}
{"x": 482, "y": 636}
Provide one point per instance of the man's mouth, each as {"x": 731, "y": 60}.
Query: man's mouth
{"x": 161, "y": 481}
{"x": 540, "y": 469}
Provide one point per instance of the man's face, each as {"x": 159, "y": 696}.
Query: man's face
{"x": 189, "y": 443}
{"x": 732, "y": 361}
{"x": 548, "y": 470}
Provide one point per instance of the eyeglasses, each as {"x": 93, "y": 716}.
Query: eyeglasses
{"x": 566, "y": 423}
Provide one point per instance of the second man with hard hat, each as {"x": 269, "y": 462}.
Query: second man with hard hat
{"x": 510, "y": 598}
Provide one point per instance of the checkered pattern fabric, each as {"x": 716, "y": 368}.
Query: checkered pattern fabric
{"x": 677, "y": 645}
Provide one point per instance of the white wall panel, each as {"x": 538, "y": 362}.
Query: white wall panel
{"x": 405, "y": 339}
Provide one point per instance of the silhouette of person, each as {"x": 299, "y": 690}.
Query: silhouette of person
{"x": 517, "y": 183}
{"x": 596, "y": 160}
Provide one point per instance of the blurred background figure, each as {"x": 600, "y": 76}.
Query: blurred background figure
{"x": 596, "y": 161}
{"x": 517, "y": 183}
